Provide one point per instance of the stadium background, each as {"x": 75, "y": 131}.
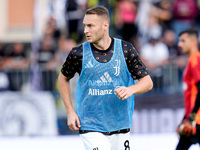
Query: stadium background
{"x": 35, "y": 38}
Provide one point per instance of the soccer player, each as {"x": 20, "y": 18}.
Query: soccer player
{"x": 189, "y": 129}
{"x": 105, "y": 90}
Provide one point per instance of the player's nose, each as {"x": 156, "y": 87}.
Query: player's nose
{"x": 85, "y": 30}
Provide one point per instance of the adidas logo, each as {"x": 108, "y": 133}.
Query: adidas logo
{"x": 89, "y": 65}
{"x": 105, "y": 79}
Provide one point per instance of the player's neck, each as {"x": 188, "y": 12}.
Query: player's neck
{"x": 194, "y": 50}
{"x": 104, "y": 43}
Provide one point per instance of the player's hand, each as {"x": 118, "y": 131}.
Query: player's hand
{"x": 188, "y": 126}
{"x": 123, "y": 92}
{"x": 73, "y": 121}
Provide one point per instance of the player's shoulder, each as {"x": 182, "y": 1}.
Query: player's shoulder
{"x": 194, "y": 59}
{"x": 128, "y": 48}
{"x": 77, "y": 48}
{"x": 127, "y": 45}
{"x": 76, "y": 51}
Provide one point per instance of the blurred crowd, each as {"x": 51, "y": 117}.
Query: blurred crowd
{"x": 152, "y": 26}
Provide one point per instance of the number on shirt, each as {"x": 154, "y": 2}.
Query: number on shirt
{"x": 126, "y": 145}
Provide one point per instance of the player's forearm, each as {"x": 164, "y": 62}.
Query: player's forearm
{"x": 143, "y": 85}
{"x": 64, "y": 89}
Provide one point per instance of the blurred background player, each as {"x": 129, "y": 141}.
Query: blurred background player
{"x": 107, "y": 68}
{"x": 189, "y": 129}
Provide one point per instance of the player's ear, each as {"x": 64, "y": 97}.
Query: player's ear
{"x": 106, "y": 25}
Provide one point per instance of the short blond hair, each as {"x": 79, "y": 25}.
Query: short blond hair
{"x": 99, "y": 11}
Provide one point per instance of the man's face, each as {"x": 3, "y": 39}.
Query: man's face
{"x": 184, "y": 43}
{"x": 94, "y": 27}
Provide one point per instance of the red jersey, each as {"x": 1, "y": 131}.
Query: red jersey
{"x": 190, "y": 77}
